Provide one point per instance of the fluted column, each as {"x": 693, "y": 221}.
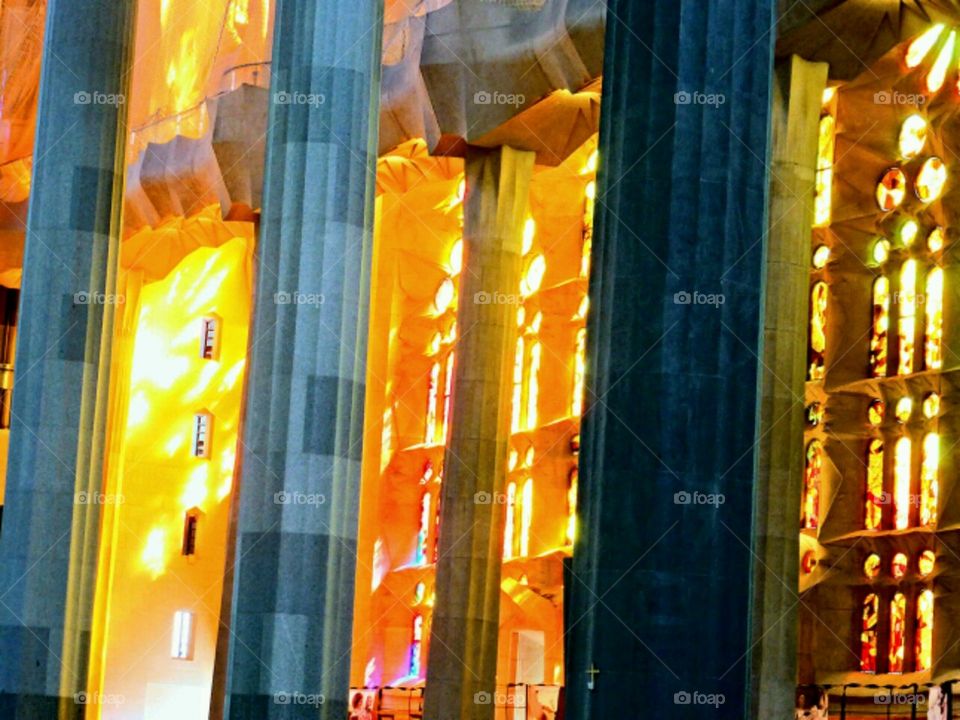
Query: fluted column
{"x": 462, "y": 665}
{"x": 51, "y": 518}
{"x": 300, "y": 476}
{"x": 659, "y": 588}
{"x": 797, "y": 99}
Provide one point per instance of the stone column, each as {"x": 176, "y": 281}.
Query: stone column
{"x": 462, "y": 664}
{"x": 797, "y": 97}
{"x": 51, "y": 523}
{"x": 296, "y": 541}
{"x": 662, "y": 567}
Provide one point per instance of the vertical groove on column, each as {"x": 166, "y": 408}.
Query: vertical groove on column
{"x": 465, "y": 628}
{"x": 291, "y": 611}
{"x": 51, "y": 520}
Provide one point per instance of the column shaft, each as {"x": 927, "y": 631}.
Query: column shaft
{"x": 662, "y": 566}
{"x": 54, "y": 475}
{"x": 797, "y": 92}
{"x": 293, "y": 591}
{"x": 462, "y": 666}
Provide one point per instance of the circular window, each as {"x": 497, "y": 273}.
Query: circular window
{"x": 820, "y": 256}
{"x": 891, "y": 189}
{"x": 913, "y": 136}
{"x": 925, "y": 562}
{"x": 931, "y": 179}
{"x": 904, "y": 409}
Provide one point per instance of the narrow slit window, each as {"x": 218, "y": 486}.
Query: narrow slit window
{"x": 210, "y": 338}
{"x": 190, "y": 523}
{"x": 202, "y": 434}
{"x": 183, "y": 626}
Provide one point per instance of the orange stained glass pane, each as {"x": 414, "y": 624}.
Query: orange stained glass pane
{"x": 898, "y": 616}
{"x": 868, "y": 633}
{"x": 818, "y": 330}
{"x": 874, "y": 514}
{"x": 891, "y": 189}
{"x": 811, "y": 485}
{"x": 929, "y": 479}
{"x": 924, "y": 649}
{"x": 881, "y": 322}
{"x": 901, "y": 483}
{"x": 871, "y": 566}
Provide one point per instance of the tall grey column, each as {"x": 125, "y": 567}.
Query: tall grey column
{"x": 462, "y": 664}
{"x": 300, "y": 476}
{"x": 662, "y": 567}
{"x": 51, "y": 518}
{"x": 797, "y": 100}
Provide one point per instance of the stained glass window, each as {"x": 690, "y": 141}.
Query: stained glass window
{"x": 924, "y": 650}
{"x": 938, "y": 72}
{"x": 913, "y": 136}
{"x": 925, "y": 562}
{"x": 572, "y": 484}
{"x": 881, "y": 321}
{"x": 416, "y": 647}
{"x": 824, "y": 177}
{"x": 901, "y": 483}
{"x": 533, "y": 385}
{"x": 868, "y": 633}
{"x": 433, "y": 391}
{"x": 871, "y": 566}
{"x": 875, "y": 412}
{"x": 881, "y": 251}
{"x": 931, "y": 179}
{"x": 874, "y": 514}
{"x": 820, "y": 256}
{"x": 898, "y": 566}
{"x": 590, "y": 195}
{"x": 815, "y": 414}
{"x": 907, "y": 309}
{"x": 818, "y": 330}
{"x": 904, "y": 409}
{"x": 918, "y": 49}
{"x": 929, "y": 483}
{"x": 447, "y": 395}
{"x": 526, "y": 517}
{"x": 516, "y": 406}
{"x": 423, "y": 534}
{"x": 891, "y": 189}
{"x": 931, "y": 406}
{"x": 579, "y": 373}
{"x": 933, "y": 336}
{"x": 898, "y": 617}
{"x": 908, "y": 232}
{"x": 509, "y": 526}
{"x": 811, "y": 485}
{"x": 935, "y": 240}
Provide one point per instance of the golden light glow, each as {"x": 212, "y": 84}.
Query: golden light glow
{"x": 579, "y": 373}
{"x": 828, "y": 95}
{"x": 818, "y": 331}
{"x": 901, "y": 483}
{"x": 898, "y": 566}
{"x": 811, "y": 485}
{"x": 925, "y": 562}
{"x": 529, "y": 234}
{"x": 898, "y": 616}
{"x": 820, "y": 256}
{"x": 868, "y": 633}
{"x": 444, "y": 296}
{"x": 913, "y": 136}
{"x": 904, "y": 409}
{"x": 931, "y": 405}
{"x": 533, "y": 385}
{"x": 933, "y": 336}
{"x": 931, "y": 179}
{"x": 875, "y": 412}
{"x": 823, "y": 199}
{"x": 153, "y": 558}
{"x": 907, "y": 306}
{"x": 526, "y": 517}
{"x": 935, "y": 240}
{"x": 874, "y": 506}
{"x": 908, "y": 232}
{"x": 533, "y": 278}
{"x": 516, "y": 404}
{"x": 881, "y": 251}
{"x": 871, "y": 566}
{"x": 455, "y": 262}
{"x": 924, "y": 650}
{"x": 891, "y": 189}
{"x": 918, "y": 49}
{"x": 929, "y": 479}
{"x": 938, "y": 73}
{"x": 881, "y": 321}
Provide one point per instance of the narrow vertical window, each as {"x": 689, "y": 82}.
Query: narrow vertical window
{"x": 433, "y": 391}
{"x": 898, "y": 617}
{"x": 907, "y": 309}
{"x": 517, "y": 403}
{"x": 423, "y": 534}
{"x": 533, "y": 385}
{"x": 181, "y": 647}
{"x": 202, "y": 434}
{"x": 509, "y": 527}
{"x": 416, "y": 647}
{"x": 818, "y": 330}
{"x": 933, "y": 335}
{"x": 924, "y": 649}
{"x": 824, "y": 177}
{"x": 526, "y": 517}
{"x": 811, "y": 485}
{"x": 901, "y": 483}
{"x": 929, "y": 479}
{"x": 190, "y": 523}
{"x": 572, "y": 487}
{"x": 874, "y": 514}
{"x": 447, "y": 396}
{"x": 590, "y": 197}
{"x": 881, "y": 322}
{"x": 579, "y": 373}
{"x": 210, "y": 338}
{"x": 868, "y": 633}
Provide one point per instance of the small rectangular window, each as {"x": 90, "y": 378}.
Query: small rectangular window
{"x": 190, "y": 534}
{"x": 182, "y": 646}
{"x": 210, "y": 338}
{"x": 202, "y": 434}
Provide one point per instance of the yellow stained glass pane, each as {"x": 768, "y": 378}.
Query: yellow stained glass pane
{"x": 868, "y": 633}
{"x": 901, "y": 483}
{"x": 933, "y": 335}
{"x": 924, "y": 650}
{"x": 904, "y": 409}
{"x": 938, "y": 73}
{"x": 818, "y": 330}
{"x": 898, "y": 566}
{"x": 811, "y": 485}
{"x": 820, "y": 256}
{"x": 929, "y": 479}
{"x": 907, "y": 306}
{"x": 875, "y": 412}
{"x": 881, "y": 322}
{"x": 918, "y": 49}
{"x": 898, "y": 616}
{"x": 871, "y": 566}
{"x": 931, "y": 405}
{"x": 926, "y": 562}
{"x": 824, "y": 178}
{"x": 881, "y": 251}
{"x": 931, "y": 180}
{"x": 935, "y": 240}
{"x": 874, "y": 509}
{"x": 913, "y": 136}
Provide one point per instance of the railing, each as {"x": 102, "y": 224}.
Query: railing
{"x": 513, "y": 702}
{"x": 255, "y": 73}
{"x": 890, "y": 701}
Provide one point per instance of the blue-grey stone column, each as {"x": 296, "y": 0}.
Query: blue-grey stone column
{"x": 296, "y": 542}
{"x": 462, "y": 664}
{"x": 662, "y": 567}
{"x": 48, "y": 551}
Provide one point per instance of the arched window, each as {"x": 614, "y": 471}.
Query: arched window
{"x": 933, "y": 336}
{"x": 898, "y": 617}
{"x": 868, "y": 633}
{"x": 811, "y": 485}
{"x": 416, "y": 647}
{"x": 423, "y": 535}
{"x": 924, "y": 648}
{"x": 907, "y": 309}
{"x": 874, "y": 515}
{"x": 824, "y": 177}
{"x": 901, "y": 483}
{"x": 818, "y": 330}
{"x": 518, "y": 367}
{"x": 509, "y": 526}
{"x": 881, "y": 322}
{"x": 533, "y": 384}
{"x": 929, "y": 483}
